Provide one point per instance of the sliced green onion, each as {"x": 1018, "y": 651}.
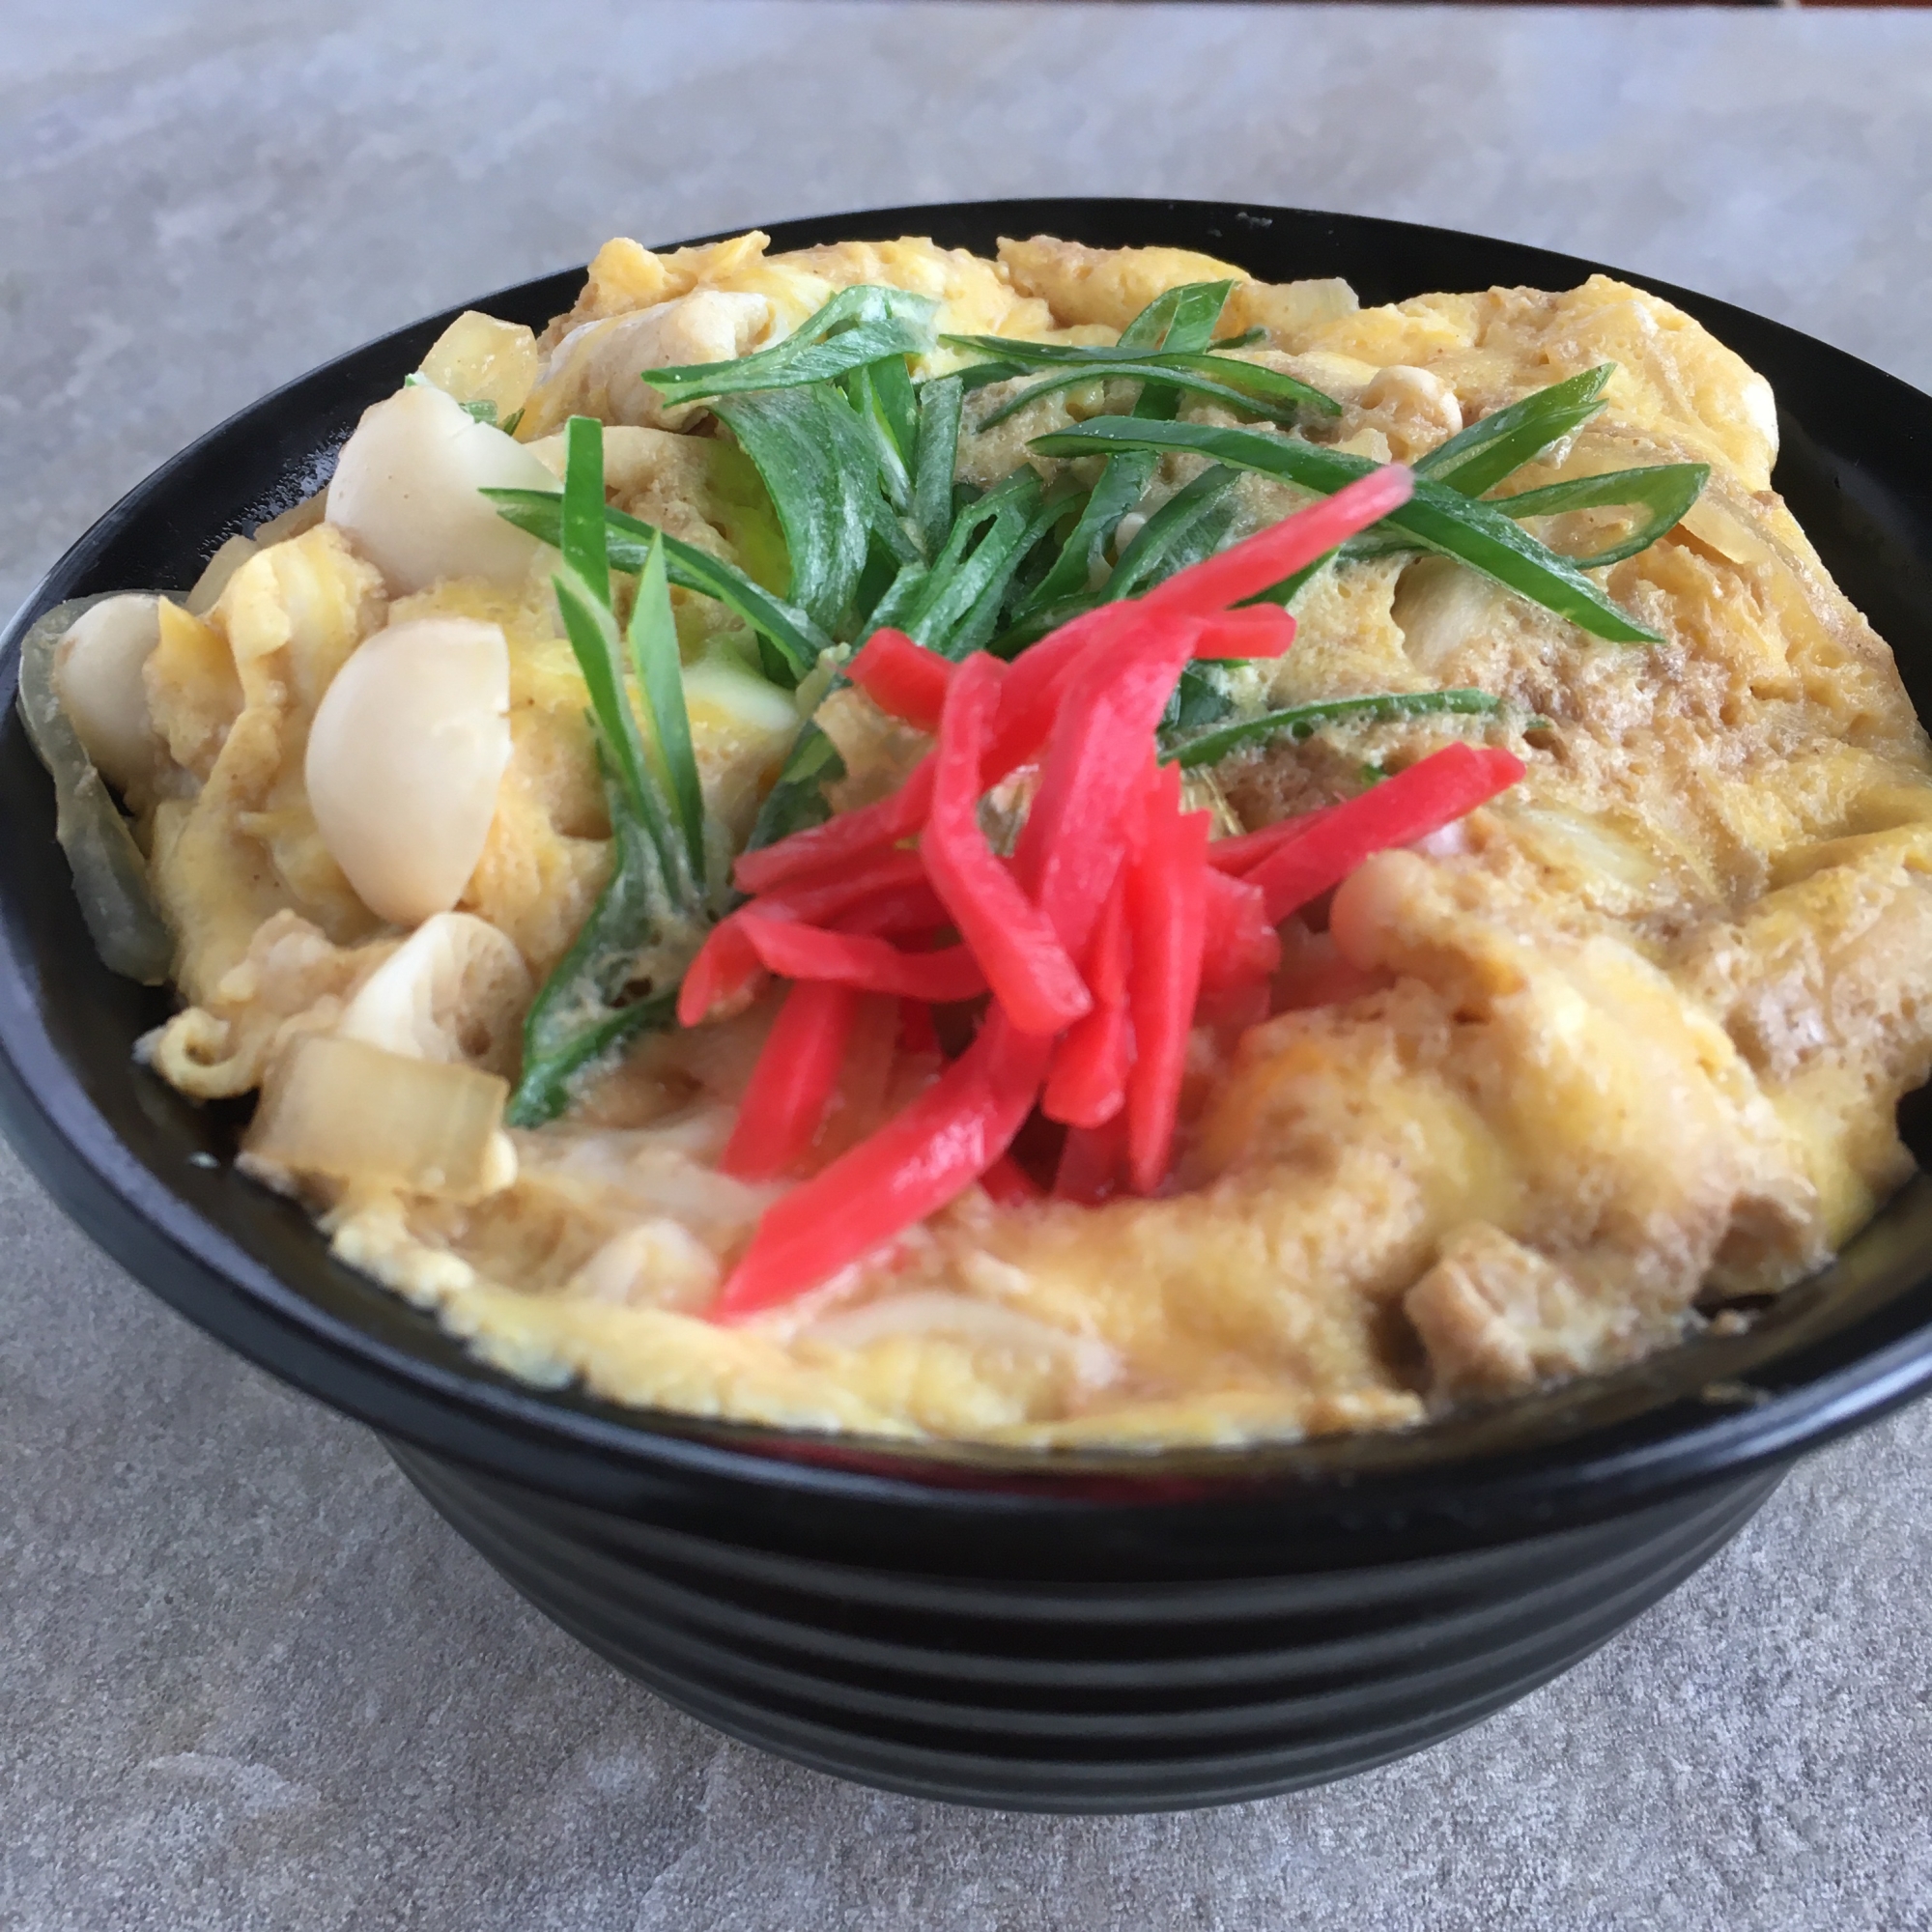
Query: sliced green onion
{"x": 1183, "y": 317}
{"x": 896, "y": 401}
{"x": 1478, "y": 458}
{"x": 580, "y": 535}
{"x": 1120, "y": 488}
{"x": 1666, "y": 490}
{"x": 797, "y": 639}
{"x": 1091, "y": 356}
{"x": 965, "y": 570}
{"x": 583, "y": 1013}
{"x": 1011, "y": 544}
{"x": 935, "y": 458}
{"x": 653, "y": 639}
{"x": 900, "y": 595}
{"x": 1301, "y": 721}
{"x": 979, "y": 374}
{"x": 1435, "y": 518}
{"x": 821, "y": 470}
{"x": 798, "y": 801}
{"x": 584, "y": 1009}
{"x": 1192, "y": 524}
{"x": 1256, "y": 379}
{"x": 858, "y": 326}
{"x": 1200, "y": 700}
{"x": 862, "y": 392}
{"x": 594, "y": 642}
{"x": 1281, "y": 399}
{"x": 1180, "y": 321}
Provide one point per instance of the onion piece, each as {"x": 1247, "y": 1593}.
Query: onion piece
{"x": 349, "y": 1111}
{"x": 206, "y": 591}
{"x": 110, "y": 876}
{"x": 479, "y": 359}
{"x": 297, "y": 520}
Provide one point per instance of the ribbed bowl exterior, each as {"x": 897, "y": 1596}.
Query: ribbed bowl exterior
{"x": 1051, "y": 1696}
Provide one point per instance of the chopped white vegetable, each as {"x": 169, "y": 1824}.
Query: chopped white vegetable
{"x": 479, "y": 359}
{"x": 596, "y": 369}
{"x": 456, "y": 989}
{"x": 405, "y": 756}
{"x": 348, "y": 1111}
{"x": 98, "y": 679}
{"x": 207, "y": 589}
{"x": 405, "y": 489}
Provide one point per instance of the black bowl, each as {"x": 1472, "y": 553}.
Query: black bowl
{"x": 1080, "y": 1632}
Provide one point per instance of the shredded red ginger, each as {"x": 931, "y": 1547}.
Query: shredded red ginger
{"x": 1114, "y": 928}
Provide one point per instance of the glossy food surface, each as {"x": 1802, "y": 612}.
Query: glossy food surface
{"x": 1637, "y": 1405}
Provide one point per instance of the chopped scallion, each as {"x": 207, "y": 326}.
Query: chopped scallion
{"x": 797, "y": 639}
{"x": 858, "y": 326}
{"x": 1301, "y": 721}
{"x": 1666, "y": 490}
{"x": 1435, "y": 519}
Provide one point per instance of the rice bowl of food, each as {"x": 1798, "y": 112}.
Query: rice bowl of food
{"x": 1058, "y": 897}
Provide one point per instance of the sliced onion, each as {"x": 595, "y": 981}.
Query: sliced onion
{"x": 349, "y": 1111}
{"x": 208, "y": 587}
{"x": 110, "y": 876}
{"x": 479, "y": 359}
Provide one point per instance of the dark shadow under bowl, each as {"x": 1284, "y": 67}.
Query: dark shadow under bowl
{"x": 1082, "y": 1631}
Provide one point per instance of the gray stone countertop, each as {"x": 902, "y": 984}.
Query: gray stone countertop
{"x": 246, "y": 1679}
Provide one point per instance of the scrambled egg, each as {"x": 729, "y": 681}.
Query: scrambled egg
{"x": 1625, "y": 1044}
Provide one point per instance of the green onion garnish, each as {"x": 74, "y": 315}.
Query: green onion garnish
{"x": 797, "y": 639}
{"x": 1666, "y": 490}
{"x": 1181, "y": 321}
{"x": 1242, "y": 386}
{"x": 1193, "y": 523}
{"x": 652, "y": 636}
{"x": 798, "y": 800}
{"x": 586, "y": 1007}
{"x": 821, "y": 470}
{"x": 935, "y": 458}
{"x": 1301, "y": 721}
{"x": 1435, "y": 519}
{"x": 858, "y": 326}
{"x": 1478, "y": 458}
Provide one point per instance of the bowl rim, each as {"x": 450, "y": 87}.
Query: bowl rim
{"x": 584, "y": 1448}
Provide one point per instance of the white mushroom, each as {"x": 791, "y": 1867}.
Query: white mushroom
{"x": 98, "y": 680}
{"x": 456, "y": 989}
{"x": 408, "y": 744}
{"x": 405, "y": 489}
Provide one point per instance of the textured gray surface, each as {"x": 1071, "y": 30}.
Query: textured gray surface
{"x": 245, "y": 1678}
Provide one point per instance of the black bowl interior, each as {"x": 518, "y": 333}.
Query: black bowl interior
{"x": 146, "y": 1173}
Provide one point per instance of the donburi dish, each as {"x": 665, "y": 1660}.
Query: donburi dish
{"x": 1072, "y": 849}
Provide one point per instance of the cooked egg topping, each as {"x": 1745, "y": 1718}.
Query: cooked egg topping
{"x": 1530, "y": 1099}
